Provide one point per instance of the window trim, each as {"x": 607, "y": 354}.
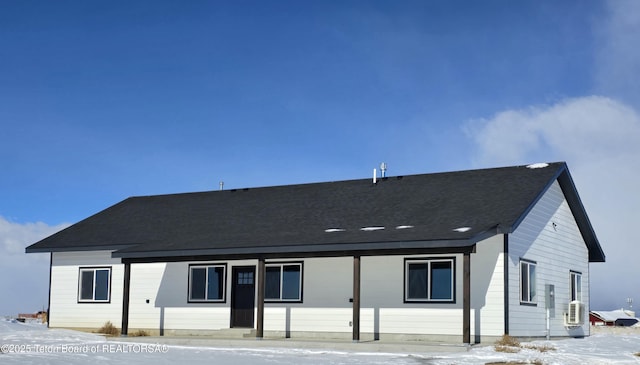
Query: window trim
{"x": 206, "y": 286}
{"x": 532, "y": 300}
{"x": 429, "y": 260}
{"x": 282, "y": 264}
{"x": 572, "y": 277}
{"x": 94, "y": 269}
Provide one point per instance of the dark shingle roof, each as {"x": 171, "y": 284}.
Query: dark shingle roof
{"x": 295, "y": 218}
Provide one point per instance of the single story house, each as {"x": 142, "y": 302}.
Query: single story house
{"x": 618, "y": 317}
{"x": 463, "y": 256}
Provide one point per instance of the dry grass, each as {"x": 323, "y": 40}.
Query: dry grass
{"x": 139, "y": 333}
{"x": 637, "y": 354}
{"x": 510, "y": 344}
{"x": 109, "y": 329}
{"x": 507, "y": 344}
{"x": 540, "y": 348}
{"x": 506, "y": 349}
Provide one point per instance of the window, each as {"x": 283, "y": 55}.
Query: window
{"x": 527, "y": 282}
{"x": 576, "y": 285}
{"x": 245, "y": 278}
{"x": 283, "y": 282}
{"x": 429, "y": 280}
{"x": 207, "y": 283}
{"x": 94, "y": 285}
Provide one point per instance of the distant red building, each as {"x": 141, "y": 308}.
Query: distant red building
{"x": 618, "y": 317}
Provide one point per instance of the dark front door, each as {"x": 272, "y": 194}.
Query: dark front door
{"x": 242, "y": 296}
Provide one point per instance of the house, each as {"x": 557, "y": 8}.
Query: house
{"x": 40, "y": 316}
{"x": 462, "y": 256}
{"x": 618, "y": 317}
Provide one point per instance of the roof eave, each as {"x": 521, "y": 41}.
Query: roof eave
{"x": 32, "y": 249}
{"x": 301, "y": 250}
{"x": 596, "y": 254}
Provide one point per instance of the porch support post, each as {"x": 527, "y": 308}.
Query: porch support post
{"x": 260, "y": 314}
{"x": 125, "y": 299}
{"x": 356, "y": 298}
{"x": 466, "y": 298}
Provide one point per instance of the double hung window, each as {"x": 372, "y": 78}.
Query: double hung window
{"x": 528, "y": 282}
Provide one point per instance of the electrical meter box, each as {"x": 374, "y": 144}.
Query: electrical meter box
{"x": 550, "y": 296}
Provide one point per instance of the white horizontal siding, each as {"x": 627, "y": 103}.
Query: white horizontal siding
{"x": 327, "y": 288}
{"x": 487, "y": 288}
{"x": 196, "y": 318}
{"x": 145, "y": 286}
{"x": 165, "y": 287}
{"x": 65, "y": 311}
{"x": 159, "y": 296}
{"x": 382, "y": 291}
{"x": 556, "y": 251}
{"x": 424, "y": 321}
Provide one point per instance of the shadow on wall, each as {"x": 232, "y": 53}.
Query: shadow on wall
{"x": 483, "y": 264}
{"x": 173, "y": 290}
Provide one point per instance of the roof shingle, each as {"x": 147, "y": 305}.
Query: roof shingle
{"x": 429, "y": 207}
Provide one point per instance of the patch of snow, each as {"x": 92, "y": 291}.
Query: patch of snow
{"x": 368, "y": 229}
{"x": 36, "y": 344}
{"x": 539, "y": 165}
{"x": 462, "y": 229}
{"x": 404, "y": 227}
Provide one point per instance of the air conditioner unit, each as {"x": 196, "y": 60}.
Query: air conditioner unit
{"x": 575, "y": 315}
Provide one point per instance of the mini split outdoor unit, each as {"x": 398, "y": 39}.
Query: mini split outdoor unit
{"x": 575, "y": 315}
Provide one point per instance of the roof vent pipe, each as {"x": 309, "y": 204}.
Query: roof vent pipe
{"x": 221, "y": 185}
{"x": 375, "y": 176}
{"x": 383, "y": 169}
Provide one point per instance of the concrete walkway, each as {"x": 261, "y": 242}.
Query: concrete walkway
{"x": 407, "y": 347}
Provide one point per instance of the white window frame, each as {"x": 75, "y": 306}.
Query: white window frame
{"x": 206, "y": 283}
{"x": 281, "y": 265}
{"x": 575, "y": 285}
{"x": 429, "y": 261}
{"x": 93, "y": 284}
{"x": 528, "y": 295}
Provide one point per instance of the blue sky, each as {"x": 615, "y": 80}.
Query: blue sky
{"x": 100, "y": 101}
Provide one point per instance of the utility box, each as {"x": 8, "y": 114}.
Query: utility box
{"x": 550, "y": 296}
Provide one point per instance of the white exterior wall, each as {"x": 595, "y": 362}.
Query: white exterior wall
{"x": 556, "y": 251}
{"x": 159, "y": 297}
{"x": 166, "y": 287}
{"x": 64, "y": 310}
{"x": 327, "y": 287}
{"x": 159, "y": 291}
{"x": 487, "y": 288}
{"x": 382, "y": 292}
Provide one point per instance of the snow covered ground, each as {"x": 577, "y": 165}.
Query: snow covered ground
{"x": 35, "y": 344}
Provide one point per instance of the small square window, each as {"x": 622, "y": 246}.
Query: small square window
{"x": 94, "y": 285}
{"x": 245, "y": 278}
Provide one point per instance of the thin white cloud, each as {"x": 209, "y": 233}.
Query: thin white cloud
{"x": 599, "y": 138}
{"x": 26, "y": 275}
{"x": 617, "y": 56}
{"x": 590, "y": 128}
